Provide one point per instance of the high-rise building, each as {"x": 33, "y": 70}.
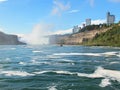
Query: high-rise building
{"x": 88, "y": 22}
{"x": 76, "y": 29}
{"x": 110, "y": 18}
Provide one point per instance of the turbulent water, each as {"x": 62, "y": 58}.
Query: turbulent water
{"x": 59, "y": 68}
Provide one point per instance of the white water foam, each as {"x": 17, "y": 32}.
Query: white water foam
{"x": 41, "y": 72}
{"x": 107, "y": 75}
{"x": 114, "y": 62}
{"x": 48, "y": 63}
{"x": 88, "y": 54}
{"x": 35, "y": 61}
{"x": 118, "y": 55}
{"x": 69, "y": 54}
{"x": 63, "y": 72}
{"x": 72, "y": 63}
{"x": 22, "y": 63}
{"x": 110, "y": 53}
{"x": 57, "y": 72}
{"x": 53, "y": 56}
{"x": 103, "y": 73}
{"x": 8, "y": 59}
{"x": 100, "y": 72}
{"x": 36, "y": 51}
{"x": 52, "y": 88}
{"x": 12, "y": 48}
{"x": 16, "y": 73}
{"x": 67, "y": 60}
{"x": 105, "y": 82}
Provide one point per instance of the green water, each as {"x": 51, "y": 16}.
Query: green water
{"x": 59, "y": 68}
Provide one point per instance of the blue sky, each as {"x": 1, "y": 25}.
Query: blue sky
{"x": 21, "y": 16}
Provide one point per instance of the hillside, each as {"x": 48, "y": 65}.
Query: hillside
{"x": 93, "y": 35}
{"x": 86, "y": 34}
{"x": 108, "y": 38}
{"x": 6, "y": 39}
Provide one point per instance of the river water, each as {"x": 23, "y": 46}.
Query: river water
{"x": 59, "y": 68}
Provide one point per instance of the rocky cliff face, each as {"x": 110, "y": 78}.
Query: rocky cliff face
{"x": 74, "y": 39}
{"x": 6, "y": 39}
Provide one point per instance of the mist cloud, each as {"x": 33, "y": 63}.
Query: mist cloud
{"x": 38, "y": 34}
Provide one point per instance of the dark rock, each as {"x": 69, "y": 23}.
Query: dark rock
{"x": 7, "y": 39}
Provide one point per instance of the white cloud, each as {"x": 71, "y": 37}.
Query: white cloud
{"x": 91, "y": 3}
{"x": 94, "y": 22}
{"x": 73, "y": 11}
{"x": 3, "y": 1}
{"x": 1, "y": 30}
{"x": 99, "y": 21}
{"x": 59, "y": 7}
{"x": 38, "y": 34}
{"x": 116, "y": 1}
{"x": 68, "y": 31}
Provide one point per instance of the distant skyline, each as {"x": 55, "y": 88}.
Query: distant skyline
{"x": 22, "y": 16}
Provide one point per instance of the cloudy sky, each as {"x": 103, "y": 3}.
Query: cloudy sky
{"x": 23, "y": 16}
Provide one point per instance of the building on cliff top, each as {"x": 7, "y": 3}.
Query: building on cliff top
{"x": 88, "y": 22}
{"x": 76, "y": 29}
{"x": 110, "y": 18}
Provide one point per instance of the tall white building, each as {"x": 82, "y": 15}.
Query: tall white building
{"x": 76, "y": 29}
{"x": 110, "y": 18}
{"x": 88, "y": 22}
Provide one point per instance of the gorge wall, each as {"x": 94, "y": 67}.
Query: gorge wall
{"x": 7, "y": 39}
{"x": 76, "y": 39}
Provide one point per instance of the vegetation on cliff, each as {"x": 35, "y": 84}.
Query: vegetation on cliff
{"x": 93, "y": 27}
{"x": 108, "y": 38}
{"x": 93, "y": 35}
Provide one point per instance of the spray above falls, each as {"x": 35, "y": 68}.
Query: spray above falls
{"x": 38, "y": 35}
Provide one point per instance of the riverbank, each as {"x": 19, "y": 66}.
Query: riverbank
{"x": 109, "y": 38}
{"x": 103, "y": 36}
